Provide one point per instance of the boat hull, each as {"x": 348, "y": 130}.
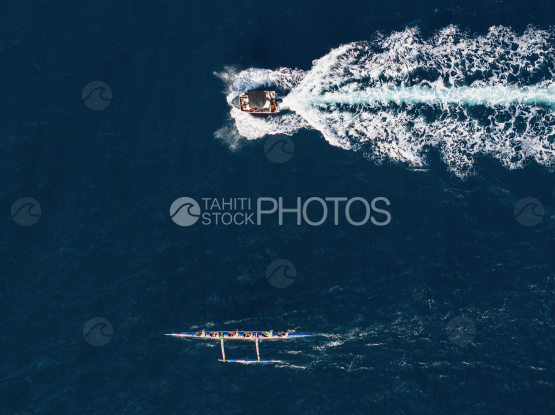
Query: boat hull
{"x": 240, "y": 336}
{"x": 269, "y": 106}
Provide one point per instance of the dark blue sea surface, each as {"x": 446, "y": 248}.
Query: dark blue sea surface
{"x": 105, "y": 173}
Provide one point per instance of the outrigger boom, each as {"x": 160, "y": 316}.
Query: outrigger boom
{"x": 241, "y": 335}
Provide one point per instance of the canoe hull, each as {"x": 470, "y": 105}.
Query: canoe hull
{"x": 240, "y": 336}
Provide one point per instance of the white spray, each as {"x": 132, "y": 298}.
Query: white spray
{"x": 397, "y": 96}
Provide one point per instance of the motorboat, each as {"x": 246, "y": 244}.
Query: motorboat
{"x": 258, "y": 101}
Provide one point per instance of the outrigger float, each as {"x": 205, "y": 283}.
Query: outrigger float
{"x": 255, "y": 336}
{"x": 258, "y": 101}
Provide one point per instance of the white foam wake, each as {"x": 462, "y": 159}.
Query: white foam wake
{"x": 396, "y": 97}
{"x": 487, "y": 95}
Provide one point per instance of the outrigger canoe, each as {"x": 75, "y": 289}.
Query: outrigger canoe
{"x": 256, "y": 336}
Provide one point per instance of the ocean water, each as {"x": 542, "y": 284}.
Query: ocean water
{"x": 111, "y": 112}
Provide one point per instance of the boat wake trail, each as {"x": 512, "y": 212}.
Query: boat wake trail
{"x": 397, "y": 97}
